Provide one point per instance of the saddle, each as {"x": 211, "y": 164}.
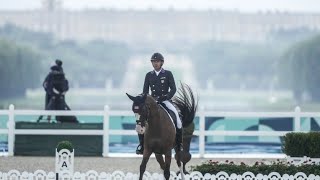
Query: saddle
{"x": 170, "y": 113}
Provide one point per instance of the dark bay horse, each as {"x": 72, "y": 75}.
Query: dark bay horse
{"x": 160, "y": 132}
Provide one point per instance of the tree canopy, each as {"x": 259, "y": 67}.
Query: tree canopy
{"x": 300, "y": 68}
{"x": 18, "y": 69}
{"x": 25, "y": 59}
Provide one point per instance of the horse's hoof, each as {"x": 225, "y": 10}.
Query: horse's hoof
{"x": 184, "y": 172}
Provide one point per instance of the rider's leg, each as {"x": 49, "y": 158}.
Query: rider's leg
{"x": 179, "y": 126}
{"x": 172, "y": 108}
{"x": 139, "y": 149}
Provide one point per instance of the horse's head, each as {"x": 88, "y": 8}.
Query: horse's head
{"x": 140, "y": 108}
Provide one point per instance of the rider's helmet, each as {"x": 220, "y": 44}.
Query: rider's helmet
{"x": 58, "y": 62}
{"x": 157, "y": 56}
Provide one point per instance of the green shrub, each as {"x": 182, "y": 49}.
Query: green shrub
{"x": 314, "y": 145}
{"x": 65, "y": 145}
{"x": 294, "y": 144}
{"x": 213, "y": 167}
{"x": 302, "y": 144}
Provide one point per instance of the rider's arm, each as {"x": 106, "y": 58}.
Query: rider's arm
{"x": 172, "y": 86}
{"x": 146, "y": 84}
{"x": 66, "y": 86}
{"x": 49, "y": 89}
{"x": 45, "y": 82}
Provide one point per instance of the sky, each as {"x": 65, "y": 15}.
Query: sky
{"x": 312, "y": 6}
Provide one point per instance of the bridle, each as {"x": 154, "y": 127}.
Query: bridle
{"x": 141, "y": 111}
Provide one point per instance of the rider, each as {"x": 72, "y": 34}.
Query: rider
{"x": 163, "y": 87}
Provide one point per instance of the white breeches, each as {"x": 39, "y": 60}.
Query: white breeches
{"x": 171, "y": 107}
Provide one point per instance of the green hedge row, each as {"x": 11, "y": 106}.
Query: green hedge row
{"x": 302, "y": 144}
{"x": 294, "y": 145}
{"x": 282, "y": 168}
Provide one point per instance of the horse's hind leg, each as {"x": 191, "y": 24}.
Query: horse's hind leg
{"x": 167, "y": 165}
{"x": 185, "y": 159}
{"x": 185, "y": 154}
{"x": 160, "y": 161}
{"x": 178, "y": 159}
{"x": 143, "y": 165}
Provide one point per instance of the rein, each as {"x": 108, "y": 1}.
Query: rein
{"x": 143, "y": 122}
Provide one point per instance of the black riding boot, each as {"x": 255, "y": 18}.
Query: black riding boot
{"x": 139, "y": 149}
{"x": 179, "y": 146}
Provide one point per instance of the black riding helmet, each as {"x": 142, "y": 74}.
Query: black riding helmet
{"x": 58, "y": 62}
{"x": 157, "y": 56}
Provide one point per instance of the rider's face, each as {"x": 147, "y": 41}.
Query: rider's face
{"x": 156, "y": 64}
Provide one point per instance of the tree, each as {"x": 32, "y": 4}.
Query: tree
{"x": 300, "y": 67}
{"x": 18, "y": 69}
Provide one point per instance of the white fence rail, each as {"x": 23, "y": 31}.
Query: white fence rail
{"x": 119, "y": 175}
{"x": 106, "y": 131}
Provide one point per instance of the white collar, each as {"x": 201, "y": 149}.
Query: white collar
{"x": 157, "y": 72}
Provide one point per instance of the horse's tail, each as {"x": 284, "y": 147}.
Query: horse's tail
{"x": 187, "y": 104}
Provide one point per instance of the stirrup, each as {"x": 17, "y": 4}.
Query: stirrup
{"x": 139, "y": 149}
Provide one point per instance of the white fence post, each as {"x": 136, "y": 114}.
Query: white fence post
{"x": 11, "y": 129}
{"x": 201, "y": 132}
{"x": 297, "y": 116}
{"x": 105, "y": 143}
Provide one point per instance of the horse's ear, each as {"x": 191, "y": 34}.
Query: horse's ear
{"x": 144, "y": 96}
{"x": 130, "y": 97}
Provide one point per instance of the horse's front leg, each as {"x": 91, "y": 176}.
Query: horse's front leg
{"x": 160, "y": 161}
{"x": 145, "y": 159}
{"x": 167, "y": 165}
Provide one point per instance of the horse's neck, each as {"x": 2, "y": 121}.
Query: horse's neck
{"x": 154, "y": 110}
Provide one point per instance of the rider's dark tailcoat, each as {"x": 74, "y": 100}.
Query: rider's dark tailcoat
{"x": 160, "y": 85}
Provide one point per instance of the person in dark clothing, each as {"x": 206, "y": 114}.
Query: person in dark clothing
{"x": 48, "y": 80}
{"x": 56, "y": 89}
{"x": 162, "y": 85}
{"x": 47, "y": 84}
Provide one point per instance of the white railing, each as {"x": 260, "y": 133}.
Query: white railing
{"x": 120, "y": 175}
{"x": 106, "y": 131}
